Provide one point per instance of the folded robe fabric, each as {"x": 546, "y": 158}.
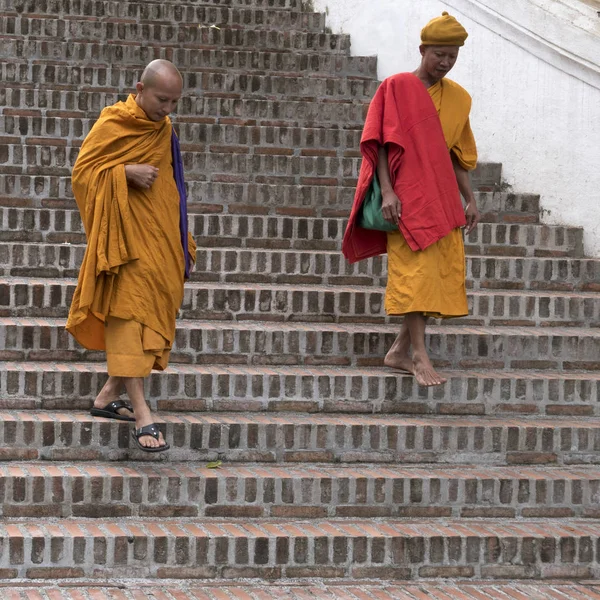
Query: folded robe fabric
{"x": 134, "y": 262}
{"x": 403, "y": 118}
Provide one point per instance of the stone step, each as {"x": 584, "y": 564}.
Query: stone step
{"x": 170, "y": 37}
{"x": 263, "y": 197}
{"x": 341, "y": 344}
{"x": 249, "y": 265}
{"x": 300, "y": 233}
{"x": 330, "y": 267}
{"x": 69, "y": 386}
{"x": 191, "y": 61}
{"x": 275, "y": 549}
{"x": 33, "y": 297}
{"x": 196, "y": 137}
{"x": 386, "y": 590}
{"x": 112, "y": 79}
{"x": 118, "y": 14}
{"x": 307, "y": 438}
{"x": 230, "y": 163}
{"x": 23, "y": 102}
{"x": 104, "y": 490}
{"x": 155, "y": 9}
{"x": 24, "y": 297}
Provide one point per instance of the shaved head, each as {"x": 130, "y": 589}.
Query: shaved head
{"x": 159, "y": 89}
{"x": 160, "y": 70}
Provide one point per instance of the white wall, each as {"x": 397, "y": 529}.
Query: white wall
{"x": 536, "y": 95}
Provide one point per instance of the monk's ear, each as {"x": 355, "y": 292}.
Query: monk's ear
{"x": 422, "y": 50}
{"x": 139, "y": 86}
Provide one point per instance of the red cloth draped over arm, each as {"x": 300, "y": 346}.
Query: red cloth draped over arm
{"x": 402, "y": 117}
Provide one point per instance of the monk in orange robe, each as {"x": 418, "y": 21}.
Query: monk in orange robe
{"x": 431, "y": 282}
{"x": 138, "y": 251}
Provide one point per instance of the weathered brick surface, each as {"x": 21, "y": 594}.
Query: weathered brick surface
{"x": 235, "y": 196}
{"x": 274, "y": 549}
{"x": 135, "y": 13}
{"x": 193, "y": 108}
{"x": 243, "y": 230}
{"x": 134, "y": 9}
{"x": 194, "y": 60}
{"x": 259, "y": 265}
{"x": 67, "y": 386}
{"x": 276, "y": 367}
{"x": 342, "y": 304}
{"x": 272, "y": 343}
{"x": 181, "y": 490}
{"x": 315, "y": 438}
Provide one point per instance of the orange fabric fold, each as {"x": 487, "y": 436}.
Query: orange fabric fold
{"x": 133, "y": 264}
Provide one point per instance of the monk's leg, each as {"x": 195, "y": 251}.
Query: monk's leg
{"x": 143, "y": 416}
{"x": 423, "y": 369}
{"x": 398, "y": 356}
{"x": 109, "y": 393}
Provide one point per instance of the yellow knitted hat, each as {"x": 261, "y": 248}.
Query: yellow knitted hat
{"x": 443, "y": 31}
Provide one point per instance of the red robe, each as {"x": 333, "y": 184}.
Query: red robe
{"x": 403, "y": 117}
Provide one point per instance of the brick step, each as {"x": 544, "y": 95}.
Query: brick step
{"x": 193, "y": 36}
{"x": 191, "y": 61}
{"x": 330, "y": 267}
{"x": 229, "y": 163}
{"x": 248, "y": 265}
{"x": 275, "y": 549}
{"x": 341, "y": 344}
{"x": 22, "y": 102}
{"x": 300, "y": 233}
{"x": 310, "y": 86}
{"x": 132, "y": 8}
{"x": 24, "y": 297}
{"x": 104, "y": 490}
{"x": 69, "y": 386}
{"x": 71, "y": 25}
{"x": 307, "y": 438}
{"x": 311, "y": 199}
{"x": 193, "y": 137}
{"x": 466, "y": 590}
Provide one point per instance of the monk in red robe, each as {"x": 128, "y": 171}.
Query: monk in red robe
{"x": 418, "y": 141}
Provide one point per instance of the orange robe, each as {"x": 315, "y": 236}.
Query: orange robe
{"x": 133, "y": 268}
{"x": 432, "y": 281}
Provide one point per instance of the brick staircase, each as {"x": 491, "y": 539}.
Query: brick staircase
{"x": 333, "y": 467}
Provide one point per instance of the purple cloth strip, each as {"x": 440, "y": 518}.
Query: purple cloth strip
{"x": 180, "y": 182}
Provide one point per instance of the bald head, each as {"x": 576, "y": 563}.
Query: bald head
{"x": 159, "y": 89}
{"x": 161, "y": 70}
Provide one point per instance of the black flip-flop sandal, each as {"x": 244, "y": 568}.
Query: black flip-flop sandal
{"x": 110, "y": 411}
{"x": 152, "y": 430}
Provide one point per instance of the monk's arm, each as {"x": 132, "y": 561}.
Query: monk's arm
{"x": 391, "y": 207}
{"x": 464, "y": 185}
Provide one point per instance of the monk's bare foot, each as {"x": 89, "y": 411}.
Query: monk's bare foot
{"x": 109, "y": 393}
{"x": 400, "y": 363}
{"x": 149, "y": 441}
{"x": 424, "y": 372}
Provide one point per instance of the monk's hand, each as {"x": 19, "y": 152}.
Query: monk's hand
{"x": 391, "y": 207}
{"x": 472, "y": 215}
{"x": 141, "y": 176}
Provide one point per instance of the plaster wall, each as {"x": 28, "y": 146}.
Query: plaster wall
{"x": 535, "y": 82}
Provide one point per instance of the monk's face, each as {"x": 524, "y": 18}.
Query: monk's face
{"x": 437, "y": 61}
{"x": 159, "y": 98}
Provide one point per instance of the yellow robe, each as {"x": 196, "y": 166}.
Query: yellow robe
{"x": 432, "y": 281}
{"x": 133, "y": 268}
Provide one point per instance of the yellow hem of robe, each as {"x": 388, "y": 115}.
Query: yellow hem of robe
{"x": 133, "y": 350}
{"x": 430, "y": 281}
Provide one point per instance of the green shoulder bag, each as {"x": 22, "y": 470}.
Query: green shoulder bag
{"x": 370, "y": 216}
